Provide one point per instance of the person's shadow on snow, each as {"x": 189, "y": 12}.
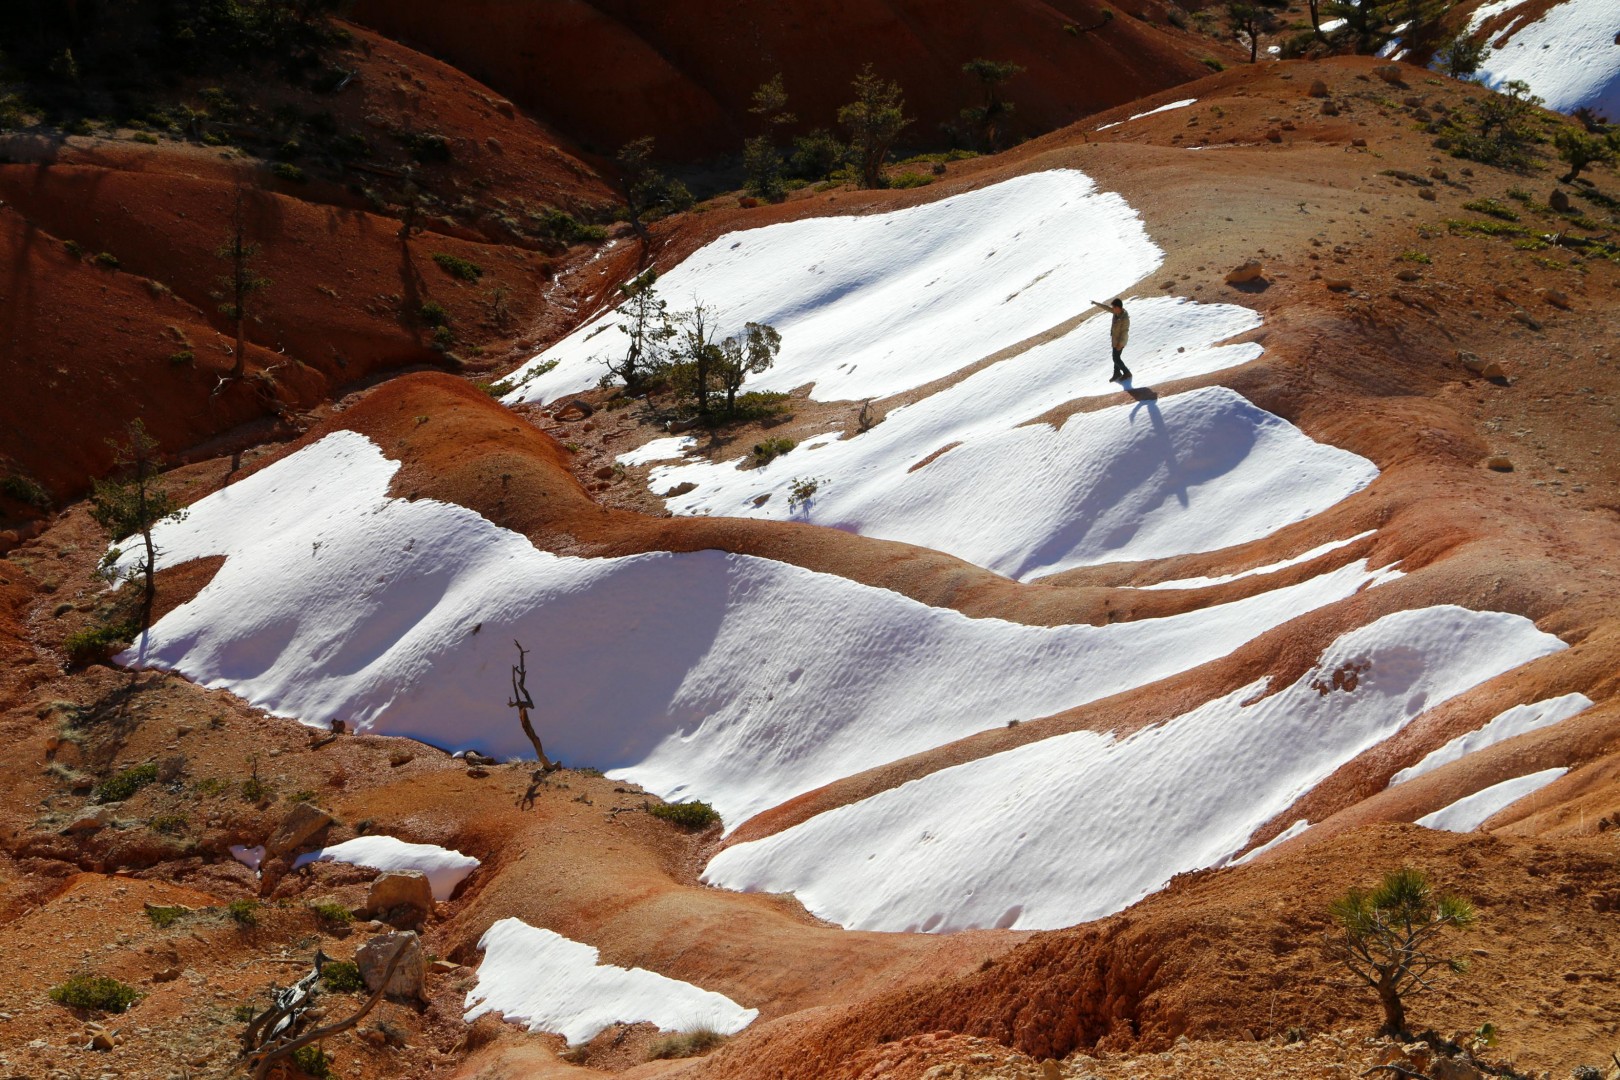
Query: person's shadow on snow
{"x": 1147, "y": 399}
{"x": 1140, "y": 393}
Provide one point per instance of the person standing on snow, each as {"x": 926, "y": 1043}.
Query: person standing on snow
{"x": 1119, "y": 332}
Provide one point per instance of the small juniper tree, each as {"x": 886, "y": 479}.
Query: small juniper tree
{"x": 242, "y": 281}
{"x": 1368, "y": 23}
{"x": 134, "y": 505}
{"x": 646, "y": 322}
{"x": 762, "y": 161}
{"x": 874, "y": 121}
{"x": 1461, "y": 56}
{"x": 1389, "y": 937}
{"x": 1577, "y": 149}
{"x": 748, "y": 353}
{"x": 990, "y": 116}
{"x": 700, "y": 356}
{"x": 645, "y": 188}
{"x": 1249, "y": 21}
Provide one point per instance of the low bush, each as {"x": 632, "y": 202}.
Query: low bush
{"x": 96, "y": 644}
{"x": 691, "y": 816}
{"x": 26, "y": 490}
{"x": 771, "y": 449}
{"x": 685, "y": 1044}
{"x": 243, "y": 912}
{"x": 106, "y": 259}
{"x": 564, "y": 227}
{"x": 315, "y": 1062}
{"x": 342, "y": 977}
{"x": 330, "y": 911}
{"x": 286, "y": 170}
{"x": 125, "y": 784}
{"x": 169, "y": 824}
{"x": 164, "y": 917}
{"x": 95, "y": 992}
{"x": 183, "y": 358}
{"x": 458, "y": 267}
{"x": 1491, "y": 208}
{"x": 910, "y": 180}
{"x": 433, "y": 313}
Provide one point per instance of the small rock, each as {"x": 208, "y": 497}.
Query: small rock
{"x": 1428, "y": 195}
{"x": 1559, "y": 201}
{"x": 1274, "y": 135}
{"x": 297, "y": 829}
{"x": 477, "y": 772}
{"x": 604, "y": 473}
{"x": 1252, "y": 270}
{"x": 1526, "y": 318}
{"x": 1319, "y": 89}
{"x": 1408, "y": 275}
{"x": 1337, "y": 284}
{"x": 400, "y": 889}
{"x": 442, "y": 966}
{"x": 1329, "y": 108}
{"x": 1554, "y": 297}
{"x": 1358, "y": 142}
{"x": 89, "y": 822}
{"x": 1501, "y": 292}
{"x": 168, "y": 974}
{"x": 1390, "y": 73}
{"x": 372, "y": 959}
{"x": 1050, "y": 1070}
{"x": 1437, "y": 173}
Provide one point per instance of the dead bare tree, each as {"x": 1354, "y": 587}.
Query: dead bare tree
{"x": 274, "y": 1033}
{"x": 522, "y": 702}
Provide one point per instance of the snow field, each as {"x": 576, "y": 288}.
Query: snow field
{"x": 444, "y": 868}
{"x": 1082, "y": 825}
{"x": 1146, "y": 479}
{"x": 1568, "y": 56}
{"x": 658, "y": 450}
{"x": 1468, "y": 814}
{"x": 753, "y": 681}
{"x": 1516, "y": 721}
{"x": 549, "y": 983}
{"x": 1296, "y": 829}
{"x": 873, "y": 305}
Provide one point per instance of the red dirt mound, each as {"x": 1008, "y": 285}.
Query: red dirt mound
{"x": 608, "y": 71}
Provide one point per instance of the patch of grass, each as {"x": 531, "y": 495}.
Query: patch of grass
{"x": 457, "y": 267}
{"x": 433, "y": 313}
{"x": 342, "y": 977}
{"x": 145, "y": 137}
{"x": 1531, "y": 245}
{"x": 286, "y": 170}
{"x": 183, "y": 358}
{"x": 303, "y": 795}
{"x": 685, "y": 1044}
{"x": 1485, "y": 228}
{"x": 1212, "y": 63}
{"x": 691, "y": 816}
{"x": 1549, "y": 264}
{"x": 169, "y": 824}
{"x": 564, "y": 227}
{"x": 1491, "y": 208}
{"x": 125, "y": 784}
{"x": 771, "y": 449}
{"x": 1416, "y": 257}
{"x": 164, "y": 917}
{"x": 759, "y": 404}
{"x": 105, "y": 259}
{"x": 330, "y": 911}
{"x": 243, "y": 912}
{"x": 95, "y": 992}
{"x": 427, "y": 147}
{"x": 73, "y": 248}
{"x": 209, "y": 785}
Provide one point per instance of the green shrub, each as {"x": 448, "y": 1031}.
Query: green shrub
{"x": 427, "y": 147}
{"x": 342, "y": 977}
{"x": 332, "y": 912}
{"x": 771, "y": 449}
{"x": 255, "y": 790}
{"x": 145, "y": 137}
{"x": 688, "y": 815}
{"x": 314, "y": 1061}
{"x": 759, "y": 404}
{"x": 564, "y": 227}
{"x": 96, "y": 644}
{"x": 1492, "y": 208}
{"x": 106, "y": 259}
{"x": 164, "y": 917}
{"x": 286, "y": 170}
{"x": 433, "y": 313}
{"x": 169, "y": 824}
{"x": 910, "y": 180}
{"x": 243, "y": 912}
{"x": 443, "y": 338}
{"x": 1212, "y": 63}
{"x": 26, "y": 490}
{"x": 207, "y": 786}
{"x": 73, "y": 248}
{"x": 1416, "y": 257}
{"x": 126, "y": 783}
{"x": 183, "y": 358}
{"x": 1485, "y": 228}
{"x": 458, "y": 267}
{"x": 685, "y": 1044}
{"x": 95, "y": 992}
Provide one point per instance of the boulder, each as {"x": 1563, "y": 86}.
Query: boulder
{"x": 297, "y": 829}
{"x": 400, "y": 896}
{"x": 89, "y": 821}
{"x": 1390, "y": 73}
{"x": 1559, "y": 201}
{"x": 1253, "y": 270}
{"x": 1319, "y": 89}
{"x": 1329, "y": 108}
{"x": 406, "y": 982}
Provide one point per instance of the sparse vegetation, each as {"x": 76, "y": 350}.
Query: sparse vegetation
{"x": 457, "y": 267}
{"x": 432, "y": 313}
{"x": 1419, "y": 257}
{"x": 330, "y": 911}
{"x": 1579, "y": 150}
{"x": 164, "y": 917}
{"x": 243, "y": 281}
{"x": 1388, "y": 938}
{"x": 26, "y": 490}
{"x": 169, "y": 824}
{"x": 771, "y": 449}
{"x": 692, "y": 816}
{"x": 1492, "y": 208}
{"x": 125, "y": 784}
{"x": 801, "y": 489}
{"x": 106, "y": 260}
{"x": 647, "y": 192}
{"x": 95, "y": 992}
{"x": 989, "y": 118}
{"x": 286, "y": 170}
{"x": 685, "y": 1044}
{"x": 135, "y": 505}
{"x": 243, "y": 912}
{"x": 874, "y": 121}
{"x": 314, "y": 1062}
{"x": 1461, "y": 57}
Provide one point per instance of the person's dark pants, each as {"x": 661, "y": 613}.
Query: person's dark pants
{"x": 1121, "y": 372}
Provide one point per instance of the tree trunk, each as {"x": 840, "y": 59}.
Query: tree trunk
{"x": 1394, "y": 1010}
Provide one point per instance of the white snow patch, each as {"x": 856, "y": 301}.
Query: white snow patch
{"x": 1081, "y": 825}
{"x": 1488, "y": 11}
{"x": 658, "y": 450}
{"x": 1334, "y": 24}
{"x": 871, "y": 306}
{"x": 1272, "y": 568}
{"x": 1296, "y": 829}
{"x": 1568, "y": 56}
{"x": 250, "y": 857}
{"x": 444, "y": 868}
{"x": 1151, "y": 112}
{"x": 753, "y": 681}
{"x": 1506, "y": 725}
{"x": 1466, "y": 815}
{"x": 549, "y": 983}
{"x": 1150, "y": 479}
